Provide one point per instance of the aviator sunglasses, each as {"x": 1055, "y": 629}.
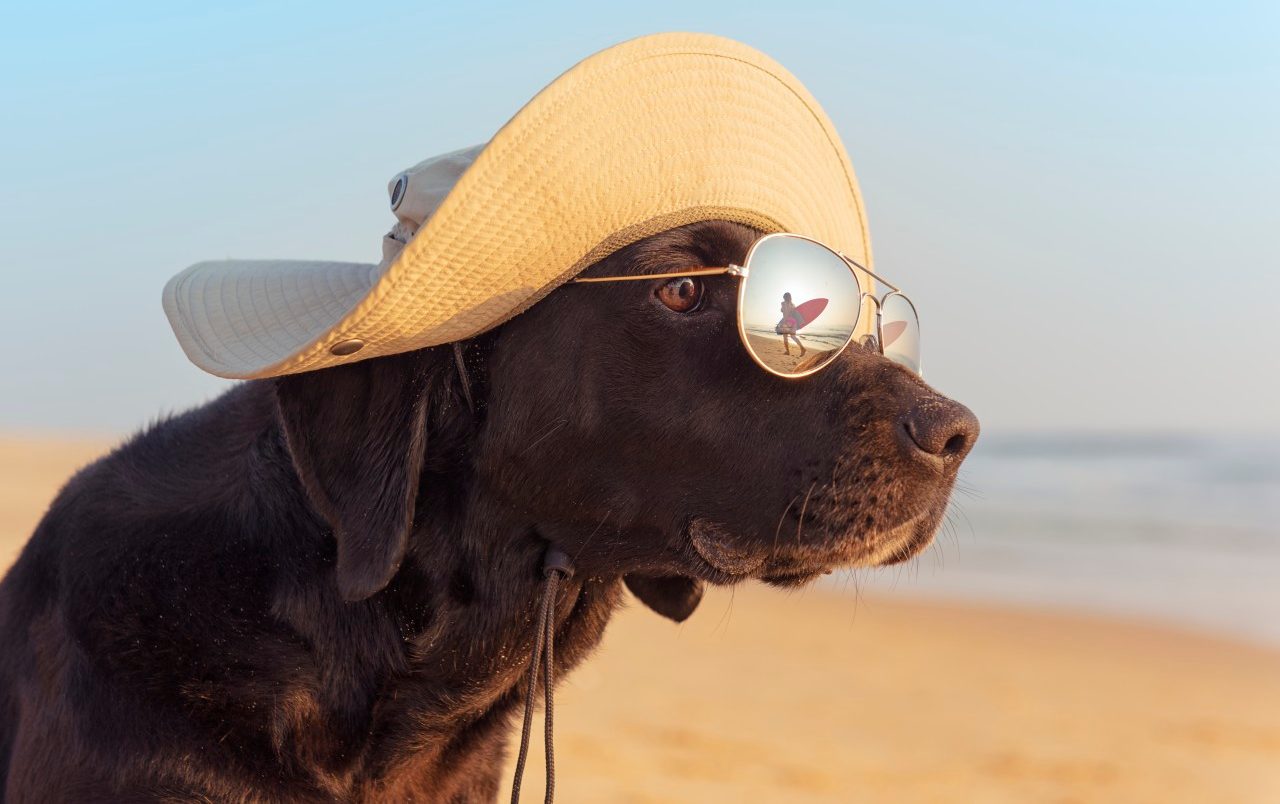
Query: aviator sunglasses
{"x": 799, "y": 303}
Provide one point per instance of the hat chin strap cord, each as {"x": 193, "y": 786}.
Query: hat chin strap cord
{"x": 461, "y": 363}
{"x": 556, "y": 566}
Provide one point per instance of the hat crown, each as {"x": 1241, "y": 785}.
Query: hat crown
{"x": 416, "y": 193}
{"x": 424, "y": 186}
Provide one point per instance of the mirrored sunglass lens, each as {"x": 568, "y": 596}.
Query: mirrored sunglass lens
{"x": 799, "y": 305}
{"x": 900, "y": 328}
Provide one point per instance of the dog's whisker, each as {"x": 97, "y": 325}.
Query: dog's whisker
{"x": 852, "y": 577}
{"x": 592, "y": 535}
{"x": 727, "y": 615}
{"x": 556, "y": 425}
{"x": 803, "y": 508}
{"x": 949, "y": 531}
{"x": 778, "y": 530}
{"x": 964, "y": 515}
{"x": 967, "y": 489}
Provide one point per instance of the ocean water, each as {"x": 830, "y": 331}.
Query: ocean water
{"x": 822, "y": 338}
{"x": 1179, "y": 529}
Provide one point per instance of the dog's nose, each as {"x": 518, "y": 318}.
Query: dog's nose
{"x": 941, "y": 428}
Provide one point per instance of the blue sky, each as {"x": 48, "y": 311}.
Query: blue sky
{"x": 1080, "y": 197}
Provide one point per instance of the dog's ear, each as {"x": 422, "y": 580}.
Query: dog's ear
{"x": 673, "y": 596}
{"x": 357, "y": 435}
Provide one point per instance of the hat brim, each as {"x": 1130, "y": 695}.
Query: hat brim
{"x": 231, "y": 315}
{"x": 644, "y": 136}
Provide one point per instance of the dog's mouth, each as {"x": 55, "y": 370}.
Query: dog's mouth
{"x": 788, "y": 561}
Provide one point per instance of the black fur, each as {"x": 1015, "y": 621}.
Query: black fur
{"x": 322, "y": 587}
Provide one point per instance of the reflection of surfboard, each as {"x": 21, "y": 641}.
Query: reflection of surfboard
{"x": 809, "y": 310}
{"x": 892, "y": 331}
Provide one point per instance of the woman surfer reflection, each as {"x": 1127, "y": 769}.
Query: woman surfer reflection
{"x": 791, "y": 321}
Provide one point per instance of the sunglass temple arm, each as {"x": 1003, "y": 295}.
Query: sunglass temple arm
{"x": 872, "y": 274}
{"x": 734, "y": 270}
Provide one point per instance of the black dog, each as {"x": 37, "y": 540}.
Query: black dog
{"x": 322, "y": 587}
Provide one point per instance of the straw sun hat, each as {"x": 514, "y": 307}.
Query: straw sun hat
{"x": 652, "y": 133}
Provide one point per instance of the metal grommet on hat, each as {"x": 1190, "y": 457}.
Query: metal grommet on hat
{"x": 347, "y": 347}
{"x": 398, "y": 191}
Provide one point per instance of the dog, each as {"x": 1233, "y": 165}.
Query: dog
{"x": 322, "y": 586}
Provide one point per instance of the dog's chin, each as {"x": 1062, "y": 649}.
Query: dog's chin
{"x": 721, "y": 558}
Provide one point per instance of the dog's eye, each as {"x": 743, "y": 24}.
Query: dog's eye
{"x": 682, "y": 295}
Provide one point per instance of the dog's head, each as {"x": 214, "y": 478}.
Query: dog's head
{"x": 626, "y": 424}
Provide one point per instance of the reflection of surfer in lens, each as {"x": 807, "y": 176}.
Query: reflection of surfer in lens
{"x": 791, "y": 321}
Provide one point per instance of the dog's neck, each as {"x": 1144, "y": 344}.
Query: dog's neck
{"x": 435, "y": 665}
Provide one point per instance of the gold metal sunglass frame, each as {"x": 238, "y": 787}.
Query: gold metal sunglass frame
{"x": 744, "y": 270}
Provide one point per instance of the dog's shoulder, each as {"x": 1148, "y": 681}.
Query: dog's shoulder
{"x": 190, "y": 494}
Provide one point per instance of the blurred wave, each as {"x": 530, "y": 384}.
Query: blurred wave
{"x": 1177, "y": 527}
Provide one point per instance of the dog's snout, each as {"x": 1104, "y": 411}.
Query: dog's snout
{"x": 941, "y": 428}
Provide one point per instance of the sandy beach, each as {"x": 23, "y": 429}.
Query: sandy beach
{"x": 772, "y": 351}
{"x": 773, "y": 696}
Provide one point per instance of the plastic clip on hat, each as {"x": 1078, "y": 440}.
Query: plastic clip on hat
{"x": 644, "y": 136}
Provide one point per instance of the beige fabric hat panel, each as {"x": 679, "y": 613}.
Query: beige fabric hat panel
{"x": 649, "y": 134}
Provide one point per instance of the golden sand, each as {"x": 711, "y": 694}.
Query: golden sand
{"x": 769, "y": 696}
{"x": 771, "y": 350}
